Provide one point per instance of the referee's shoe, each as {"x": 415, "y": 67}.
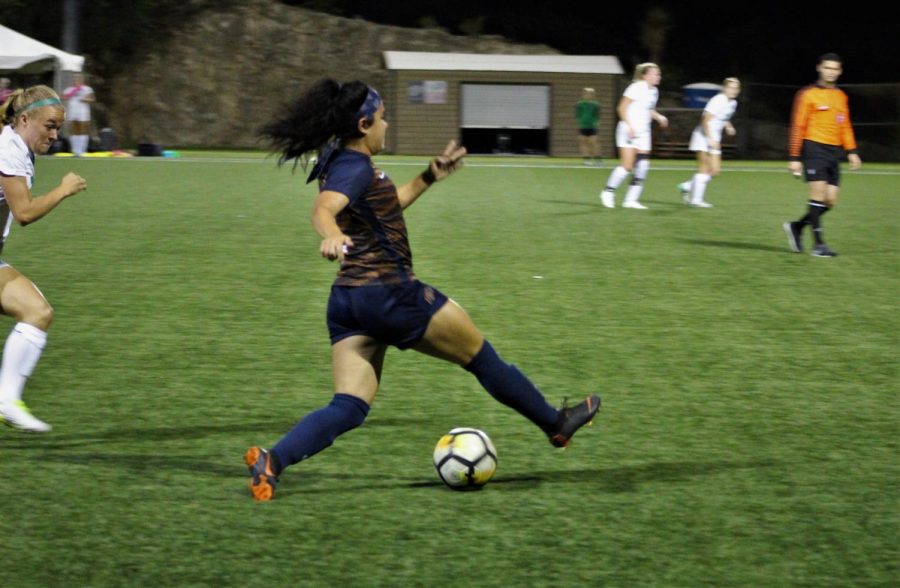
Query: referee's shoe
{"x": 823, "y": 251}
{"x": 793, "y": 234}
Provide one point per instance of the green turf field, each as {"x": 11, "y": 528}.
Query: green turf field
{"x": 748, "y": 435}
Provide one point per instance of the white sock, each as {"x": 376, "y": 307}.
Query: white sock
{"x": 634, "y": 192}
{"x": 79, "y": 144}
{"x": 641, "y": 168}
{"x": 616, "y": 177}
{"x": 20, "y": 354}
{"x": 700, "y": 182}
{"x": 637, "y": 183}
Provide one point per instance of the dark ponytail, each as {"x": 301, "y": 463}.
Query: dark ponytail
{"x": 324, "y": 112}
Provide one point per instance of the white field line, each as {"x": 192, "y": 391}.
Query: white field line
{"x": 571, "y": 166}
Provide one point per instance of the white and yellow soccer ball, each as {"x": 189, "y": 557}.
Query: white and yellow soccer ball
{"x": 465, "y": 459}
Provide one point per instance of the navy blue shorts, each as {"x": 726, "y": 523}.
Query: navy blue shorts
{"x": 822, "y": 163}
{"x": 395, "y": 315}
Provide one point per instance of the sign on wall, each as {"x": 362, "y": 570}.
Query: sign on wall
{"x": 427, "y": 92}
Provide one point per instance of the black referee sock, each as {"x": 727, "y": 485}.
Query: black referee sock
{"x": 816, "y": 210}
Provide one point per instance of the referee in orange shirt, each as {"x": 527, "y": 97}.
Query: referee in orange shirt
{"x": 820, "y": 134}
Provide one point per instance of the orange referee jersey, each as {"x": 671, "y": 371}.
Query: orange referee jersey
{"x": 822, "y": 115}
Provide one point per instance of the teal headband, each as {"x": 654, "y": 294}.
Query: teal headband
{"x": 40, "y": 103}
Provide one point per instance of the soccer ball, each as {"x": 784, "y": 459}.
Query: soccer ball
{"x": 465, "y": 459}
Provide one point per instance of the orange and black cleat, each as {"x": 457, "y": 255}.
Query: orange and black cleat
{"x": 262, "y": 475}
{"x": 572, "y": 419}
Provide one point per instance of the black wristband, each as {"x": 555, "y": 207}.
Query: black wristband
{"x": 428, "y": 176}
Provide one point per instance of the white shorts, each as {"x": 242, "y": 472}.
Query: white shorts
{"x": 642, "y": 141}
{"x": 699, "y": 142}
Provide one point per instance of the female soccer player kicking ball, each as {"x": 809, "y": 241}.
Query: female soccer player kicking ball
{"x": 376, "y": 300}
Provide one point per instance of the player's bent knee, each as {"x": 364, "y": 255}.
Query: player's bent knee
{"x": 41, "y": 316}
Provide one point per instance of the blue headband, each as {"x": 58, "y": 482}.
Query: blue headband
{"x": 367, "y": 111}
{"x": 371, "y": 104}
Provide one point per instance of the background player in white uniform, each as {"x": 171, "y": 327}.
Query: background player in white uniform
{"x": 78, "y": 111}
{"x": 706, "y": 142}
{"x": 637, "y": 110}
{"x": 32, "y": 119}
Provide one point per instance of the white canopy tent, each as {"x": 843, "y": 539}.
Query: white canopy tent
{"x": 22, "y": 54}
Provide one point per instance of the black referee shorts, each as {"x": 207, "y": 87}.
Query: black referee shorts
{"x": 822, "y": 163}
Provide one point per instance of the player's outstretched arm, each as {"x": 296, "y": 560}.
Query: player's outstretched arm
{"x": 439, "y": 168}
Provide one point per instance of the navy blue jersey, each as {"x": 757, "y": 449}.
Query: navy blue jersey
{"x": 373, "y": 220}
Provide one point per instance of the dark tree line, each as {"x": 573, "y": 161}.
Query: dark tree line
{"x": 769, "y": 42}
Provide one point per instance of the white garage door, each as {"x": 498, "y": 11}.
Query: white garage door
{"x": 510, "y": 106}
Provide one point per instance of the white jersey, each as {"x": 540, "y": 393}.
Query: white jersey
{"x": 16, "y": 159}
{"x": 643, "y": 101}
{"x": 721, "y": 108}
{"x": 76, "y": 108}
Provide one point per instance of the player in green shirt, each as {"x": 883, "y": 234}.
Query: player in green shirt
{"x": 587, "y": 112}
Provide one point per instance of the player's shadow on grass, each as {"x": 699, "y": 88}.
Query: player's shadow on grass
{"x": 586, "y": 206}
{"x": 587, "y": 203}
{"x": 735, "y": 245}
{"x": 611, "y": 480}
{"x": 665, "y": 206}
{"x": 630, "y": 478}
{"x": 142, "y": 463}
{"x": 126, "y": 435}
{"x": 593, "y": 205}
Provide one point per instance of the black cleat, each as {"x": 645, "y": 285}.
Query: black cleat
{"x": 572, "y": 419}
{"x": 793, "y": 234}
{"x": 823, "y": 251}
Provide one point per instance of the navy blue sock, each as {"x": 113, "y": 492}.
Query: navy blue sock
{"x": 319, "y": 429}
{"x": 508, "y": 385}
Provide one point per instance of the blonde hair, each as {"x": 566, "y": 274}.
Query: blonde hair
{"x": 22, "y": 100}
{"x": 727, "y": 81}
{"x": 641, "y": 70}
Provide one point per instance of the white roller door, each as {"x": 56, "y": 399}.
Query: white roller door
{"x": 510, "y": 106}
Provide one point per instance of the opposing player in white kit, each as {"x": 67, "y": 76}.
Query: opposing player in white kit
{"x": 78, "y": 111}
{"x": 32, "y": 119}
{"x": 706, "y": 142}
{"x": 637, "y": 110}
